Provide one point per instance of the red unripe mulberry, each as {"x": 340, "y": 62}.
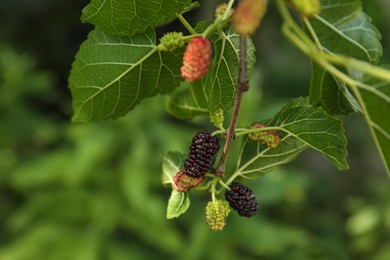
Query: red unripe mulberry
{"x": 196, "y": 59}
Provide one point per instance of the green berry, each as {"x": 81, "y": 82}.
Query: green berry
{"x": 216, "y": 213}
{"x": 171, "y": 41}
{"x": 217, "y": 118}
{"x": 269, "y": 137}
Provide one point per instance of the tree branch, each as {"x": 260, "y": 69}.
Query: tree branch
{"x": 243, "y": 86}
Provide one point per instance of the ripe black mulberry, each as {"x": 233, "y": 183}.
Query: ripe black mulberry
{"x": 242, "y": 199}
{"x": 202, "y": 155}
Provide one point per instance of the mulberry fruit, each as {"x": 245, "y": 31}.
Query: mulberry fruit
{"x": 183, "y": 183}
{"x": 307, "y": 8}
{"x": 216, "y": 213}
{"x": 269, "y": 137}
{"x": 248, "y": 16}
{"x": 242, "y": 199}
{"x": 202, "y": 155}
{"x": 196, "y": 59}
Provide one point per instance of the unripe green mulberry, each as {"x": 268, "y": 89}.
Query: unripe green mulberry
{"x": 269, "y": 137}
{"x": 171, "y": 41}
{"x": 217, "y": 118}
{"x": 216, "y": 213}
{"x": 220, "y": 10}
{"x": 307, "y": 8}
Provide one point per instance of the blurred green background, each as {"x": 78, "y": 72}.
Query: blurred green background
{"x": 93, "y": 191}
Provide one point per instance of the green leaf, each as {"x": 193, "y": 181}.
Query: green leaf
{"x": 187, "y": 102}
{"x": 217, "y": 89}
{"x": 112, "y": 74}
{"x": 301, "y": 126}
{"x": 128, "y": 17}
{"x": 178, "y": 204}
{"x": 172, "y": 163}
{"x": 342, "y": 27}
{"x": 376, "y": 104}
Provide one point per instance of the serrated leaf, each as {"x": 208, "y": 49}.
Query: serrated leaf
{"x": 112, "y": 74}
{"x": 217, "y": 89}
{"x": 342, "y": 27}
{"x": 178, "y": 204}
{"x": 376, "y": 103}
{"x": 172, "y": 164}
{"x": 303, "y": 126}
{"x": 128, "y": 17}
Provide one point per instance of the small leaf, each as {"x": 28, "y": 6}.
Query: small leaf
{"x": 128, "y": 17}
{"x": 303, "y": 126}
{"x": 342, "y": 27}
{"x": 218, "y": 88}
{"x": 112, "y": 74}
{"x": 178, "y": 204}
{"x": 172, "y": 164}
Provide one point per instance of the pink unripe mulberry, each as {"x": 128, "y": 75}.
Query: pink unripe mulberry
{"x": 196, "y": 59}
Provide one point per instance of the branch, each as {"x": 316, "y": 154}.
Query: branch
{"x": 243, "y": 86}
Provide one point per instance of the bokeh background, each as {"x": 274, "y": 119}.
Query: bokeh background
{"x": 93, "y": 191}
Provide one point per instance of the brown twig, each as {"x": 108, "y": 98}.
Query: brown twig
{"x": 243, "y": 86}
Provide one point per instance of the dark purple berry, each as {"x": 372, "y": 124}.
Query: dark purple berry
{"x": 202, "y": 155}
{"x": 242, "y": 199}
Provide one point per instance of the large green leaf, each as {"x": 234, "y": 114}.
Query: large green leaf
{"x": 376, "y": 103}
{"x": 112, "y": 74}
{"x": 128, "y": 17}
{"x": 217, "y": 89}
{"x": 303, "y": 126}
{"x": 341, "y": 27}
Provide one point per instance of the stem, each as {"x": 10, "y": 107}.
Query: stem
{"x": 243, "y": 87}
{"x": 219, "y": 24}
{"x": 186, "y": 24}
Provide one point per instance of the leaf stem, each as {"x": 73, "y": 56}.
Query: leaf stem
{"x": 186, "y": 24}
{"x": 243, "y": 86}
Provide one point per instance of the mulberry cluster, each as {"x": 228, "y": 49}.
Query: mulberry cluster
{"x": 202, "y": 155}
{"x": 242, "y": 199}
{"x": 270, "y": 137}
{"x": 196, "y": 59}
{"x": 216, "y": 213}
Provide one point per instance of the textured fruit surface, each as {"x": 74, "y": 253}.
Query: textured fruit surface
{"x": 216, "y": 213}
{"x": 196, "y": 59}
{"x": 248, "y": 15}
{"x": 183, "y": 183}
{"x": 171, "y": 41}
{"x": 269, "y": 137}
{"x": 202, "y": 155}
{"x": 242, "y": 199}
